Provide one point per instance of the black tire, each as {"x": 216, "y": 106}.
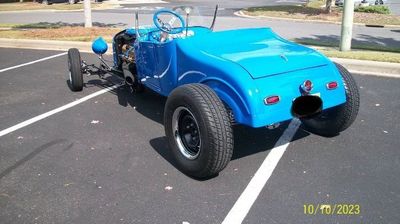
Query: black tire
{"x": 75, "y": 70}
{"x": 208, "y": 150}
{"x": 337, "y": 119}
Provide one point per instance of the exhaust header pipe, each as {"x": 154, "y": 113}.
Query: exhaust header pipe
{"x": 306, "y": 106}
{"x": 129, "y": 78}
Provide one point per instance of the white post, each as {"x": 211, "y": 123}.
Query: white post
{"x": 88, "y": 13}
{"x": 347, "y": 25}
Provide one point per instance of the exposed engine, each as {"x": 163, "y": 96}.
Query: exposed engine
{"x": 124, "y": 55}
{"x": 127, "y": 53}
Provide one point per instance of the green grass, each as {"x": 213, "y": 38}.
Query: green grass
{"x": 380, "y": 9}
{"x": 314, "y": 10}
{"x": 363, "y": 55}
{"x": 359, "y": 51}
{"x": 8, "y": 25}
{"x": 289, "y": 9}
{"x": 41, "y": 25}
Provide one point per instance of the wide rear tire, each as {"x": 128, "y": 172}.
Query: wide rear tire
{"x": 199, "y": 131}
{"x": 75, "y": 70}
{"x": 337, "y": 119}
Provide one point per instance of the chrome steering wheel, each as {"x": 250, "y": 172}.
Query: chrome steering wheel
{"x": 168, "y": 27}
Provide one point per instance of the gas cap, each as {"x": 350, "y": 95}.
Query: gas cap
{"x": 307, "y": 86}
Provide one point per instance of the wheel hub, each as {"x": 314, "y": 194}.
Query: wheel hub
{"x": 187, "y": 133}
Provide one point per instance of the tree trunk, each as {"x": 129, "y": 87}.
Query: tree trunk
{"x": 328, "y": 6}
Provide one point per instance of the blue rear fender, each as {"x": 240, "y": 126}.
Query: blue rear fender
{"x": 229, "y": 80}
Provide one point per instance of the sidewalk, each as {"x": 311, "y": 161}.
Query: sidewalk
{"x": 135, "y": 1}
{"x": 374, "y": 68}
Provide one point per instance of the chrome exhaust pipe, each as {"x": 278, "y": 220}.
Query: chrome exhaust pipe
{"x": 306, "y": 106}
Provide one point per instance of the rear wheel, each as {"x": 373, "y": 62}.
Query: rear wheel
{"x": 75, "y": 70}
{"x": 334, "y": 120}
{"x": 199, "y": 131}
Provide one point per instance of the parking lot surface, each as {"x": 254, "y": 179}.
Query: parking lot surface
{"x": 106, "y": 160}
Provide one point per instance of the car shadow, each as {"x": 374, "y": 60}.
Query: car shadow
{"x": 147, "y": 103}
{"x": 247, "y": 141}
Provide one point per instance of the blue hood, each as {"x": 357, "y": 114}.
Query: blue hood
{"x": 259, "y": 51}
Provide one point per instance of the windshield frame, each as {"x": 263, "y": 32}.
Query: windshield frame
{"x": 145, "y": 29}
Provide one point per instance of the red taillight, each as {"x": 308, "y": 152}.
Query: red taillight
{"x": 271, "y": 100}
{"x": 331, "y": 85}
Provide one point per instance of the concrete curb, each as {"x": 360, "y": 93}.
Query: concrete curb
{"x": 374, "y": 68}
{"x": 241, "y": 14}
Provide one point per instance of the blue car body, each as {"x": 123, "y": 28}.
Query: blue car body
{"x": 243, "y": 66}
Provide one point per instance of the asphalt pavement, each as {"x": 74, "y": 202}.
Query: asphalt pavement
{"x": 106, "y": 160}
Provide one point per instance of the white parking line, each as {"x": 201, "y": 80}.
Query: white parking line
{"x": 57, "y": 110}
{"x": 32, "y": 62}
{"x": 242, "y": 206}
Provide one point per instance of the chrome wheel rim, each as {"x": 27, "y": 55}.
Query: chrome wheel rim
{"x": 186, "y": 132}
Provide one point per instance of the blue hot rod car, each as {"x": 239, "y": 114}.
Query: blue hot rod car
{"x": 214, "y": 80}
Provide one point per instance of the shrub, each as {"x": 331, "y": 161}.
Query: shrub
{"x": 380, "y": 9}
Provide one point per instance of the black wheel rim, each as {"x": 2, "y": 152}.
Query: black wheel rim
{"x": 186, "y": 132}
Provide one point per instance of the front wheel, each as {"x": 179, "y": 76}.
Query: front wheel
{"x": 332, "y": 121}
{"x": 75, "y": 70}
{"x": 198, "y": 129}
